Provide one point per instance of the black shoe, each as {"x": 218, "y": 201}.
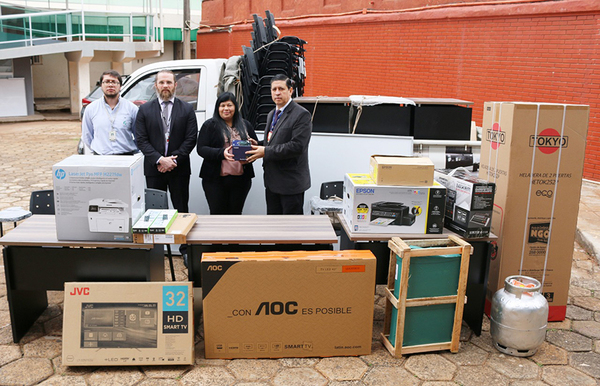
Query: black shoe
{"x": 185, "y": 260}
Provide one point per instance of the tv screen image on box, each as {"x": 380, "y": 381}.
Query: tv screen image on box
{"x": 119, "y": 325}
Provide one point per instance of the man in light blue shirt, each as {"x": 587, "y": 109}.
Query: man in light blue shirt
{"x": 107, "y": 124}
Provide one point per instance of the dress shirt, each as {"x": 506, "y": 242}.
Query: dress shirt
{"x": 99, "y": 119}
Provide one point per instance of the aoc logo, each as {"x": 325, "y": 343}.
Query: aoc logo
{"x": 60, "y": 174}
{"x": 548, "y": 141}
{"x": 496, "y": 136}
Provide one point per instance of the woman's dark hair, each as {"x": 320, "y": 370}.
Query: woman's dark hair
{"x": 238, "y": 122}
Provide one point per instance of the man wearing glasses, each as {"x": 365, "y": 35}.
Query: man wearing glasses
{"x": 107, "y": 123}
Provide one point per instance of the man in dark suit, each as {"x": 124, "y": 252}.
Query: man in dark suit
{"x": 165, "y": 131}
{"x": 285, "y": 151}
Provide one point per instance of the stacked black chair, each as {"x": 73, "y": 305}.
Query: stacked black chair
{"x": 266, "y": 57}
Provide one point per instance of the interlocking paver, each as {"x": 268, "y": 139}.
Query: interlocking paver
{"x": 122, "y": 376}
{"x": 217, "y": 376}
{"x": 513, "y": 367}
{"x": 478, "y": 376}
{"x": 549, "y": 354}
{"x": 391, "y": 376}
{"x": 58, "y": 380}
{"x": 578, "y": 313}
{"x": 9, "y": 353}
{"x": 587, "y": 362}
{"x": 159, "y": 382}
{"x": 468, "y": 355}
{"x": 299, "y": 377}
{"x": 298, "y": 362}
{"x": 566, "y": 376}
{"x": 342, "y": 368}
{"x": 432, "y": 367}
{"x": 587, "y": 328}
{"x": 45, "y": 347}
{"x": 26, "y": 371}
{"x": 587, "y": 302}
{"x": 380, "y": 356}
{"x": 253, "y": 369}
{"x": 570, "y": 341}
{"x": 165, "y": 372}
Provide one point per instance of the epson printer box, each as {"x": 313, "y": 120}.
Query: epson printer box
{"x": 469, "y": 202}
{"x": 372, "y": 208}
{"x": 98, "y": 198}
{"x": 288, "y": 304}
{"x": 128, "y": 324}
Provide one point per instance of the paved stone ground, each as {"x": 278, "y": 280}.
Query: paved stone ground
{"x": 569, "y": 356}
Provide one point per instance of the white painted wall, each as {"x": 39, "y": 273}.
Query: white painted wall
{"x": 51, "y": 78}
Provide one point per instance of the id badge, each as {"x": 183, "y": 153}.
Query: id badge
{"x": 112, "y": 135}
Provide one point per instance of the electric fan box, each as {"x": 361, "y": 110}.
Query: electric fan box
{"x": 128, "y": 324}
{"x": 534, "y": 153}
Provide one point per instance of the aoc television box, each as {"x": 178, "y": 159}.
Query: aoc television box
{"x": 469, "y": 202}
{"x": 398, "y": 170}
{"x": 534, "y": 153}
{"x": 372, "y": 208}
{"x": 128, "y": 324}
{"x": 288, "y": 304}
{"x": 98, "y": 198}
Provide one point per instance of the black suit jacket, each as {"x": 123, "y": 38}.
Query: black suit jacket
{"x": 150, "y": 138}
{"x": 286, "y": 155}
{"x": 210, "y": 148}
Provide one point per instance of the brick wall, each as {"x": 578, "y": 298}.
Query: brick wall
{"x": 525, "y": 52}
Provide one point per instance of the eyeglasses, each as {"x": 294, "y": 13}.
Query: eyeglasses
{"x": 112, "y": 82}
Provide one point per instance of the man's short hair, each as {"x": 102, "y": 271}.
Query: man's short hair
{"x": 112, "y": 73}
{"x": 165, "y": 72}
{"x": 288, "y": 82}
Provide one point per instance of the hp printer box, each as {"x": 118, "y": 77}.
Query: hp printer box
{"x": 128, "y": 324}
{"x": 288, "y": 304}
{"x": 98, "y": 198}
{"x": 371, "y": 208}
{"x": 534, "y": 153}
{"x": 469, "y": 202}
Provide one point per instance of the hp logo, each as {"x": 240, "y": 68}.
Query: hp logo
{"x": 544, "y": 193}
{"x": 60, "y": 174}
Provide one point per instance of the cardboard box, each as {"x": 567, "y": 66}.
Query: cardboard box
{"x": 534, "y": 153}
{"x": 288, "y": 304}
{"x": 177, "y": 233}
{"x": 98, "y": 198}
{"x": 469, "y": 202}
{"x": 371, "y": 208}
{"x": 398, "y": 170}
{"x": 128, "y": 324}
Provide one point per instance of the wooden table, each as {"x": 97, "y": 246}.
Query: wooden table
{"x": 35, "y": 262}
{"x": 237, "y": 233}
{"x": 483, "y": 250}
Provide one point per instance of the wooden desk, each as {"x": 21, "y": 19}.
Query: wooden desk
{"x": 35, "y": 262}
{"x": 237, "y": 233}
{"x": 479, "y": 264}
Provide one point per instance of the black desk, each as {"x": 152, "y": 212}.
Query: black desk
{"x": 238, "y": 233}
{"x": 479, "y": 264}
{"x": 36, "y": 262}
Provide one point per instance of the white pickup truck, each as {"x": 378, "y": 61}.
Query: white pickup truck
{"x": 331, "y": 154}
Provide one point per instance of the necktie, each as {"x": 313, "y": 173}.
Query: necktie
{"x": 275, "y": 119}
{"x": 165, "y": 115}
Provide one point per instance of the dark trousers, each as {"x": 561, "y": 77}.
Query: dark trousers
{"x": 226, "y": 195}
{"x": 178, "y": 186}
{"x": 284, "y": 203}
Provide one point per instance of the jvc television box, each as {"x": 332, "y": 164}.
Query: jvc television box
{"x": 372, "y": 208}
{"x": 469, "y": 202}
{"x": 288, "y": 304}
{"x": 128, "y": 324}
{"x": 398, "y": 170}
{"x": 534, "y": 153}
{"x": 98, "y": 198}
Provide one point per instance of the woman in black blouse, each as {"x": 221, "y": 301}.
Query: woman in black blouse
{"x": 226, "y": 182}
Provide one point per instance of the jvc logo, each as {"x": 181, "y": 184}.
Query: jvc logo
{"x": 60, "y": 174}
{"x": 214, "y": 268}
{"x": 277, "y": 308}
{"x": 80, "y": 291}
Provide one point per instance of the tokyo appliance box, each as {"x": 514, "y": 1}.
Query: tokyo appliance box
{"x": 397, "y": 170}
{"x": 128, "y": 324}
{"x": 98, "y": 198}
{"x": 372, "y": 208}
{"x": 469, "y": 202}
{"x": 534, "y": 153}
{"x": 288, "y": 304}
